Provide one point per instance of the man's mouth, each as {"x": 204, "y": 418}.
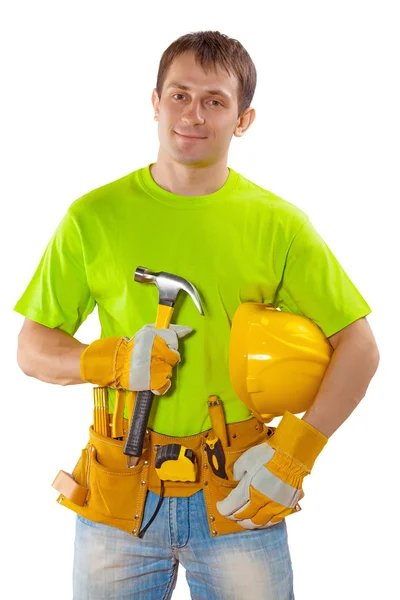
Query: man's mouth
{"x": 190, "y": 137}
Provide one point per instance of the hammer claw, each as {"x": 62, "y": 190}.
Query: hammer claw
{"x": 169, "y": 286}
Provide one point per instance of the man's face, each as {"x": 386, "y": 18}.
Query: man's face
{"x": 196, "y": 124}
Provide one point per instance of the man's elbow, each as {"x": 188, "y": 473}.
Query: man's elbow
{"x": 376, "y": 357}
{"x": 24, "y": 358}
{"x": 375, "y": 353}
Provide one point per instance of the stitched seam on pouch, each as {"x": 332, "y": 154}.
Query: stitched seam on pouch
{"x": 88, "y": 469}
{"x": 221, "y": 483}
{"x": 104, "y": 470}
{"x": 168, "y": 437}
{"x": 140, "y": 502}
{"x": 108, "y": 443}
{"x": 242, "y": 450}
{"x": 208, "y": 501}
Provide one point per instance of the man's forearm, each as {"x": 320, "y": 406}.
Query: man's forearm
{"x": 352, "y": 366}
{"x": 50, "y": 355}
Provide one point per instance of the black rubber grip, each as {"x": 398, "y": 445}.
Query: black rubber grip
{"x": 168, "y": 452}
{"x": 137, "y": 430}
{"x": 218, "y": 453}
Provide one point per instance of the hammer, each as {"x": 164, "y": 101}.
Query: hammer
{"x": 169, "y": 287}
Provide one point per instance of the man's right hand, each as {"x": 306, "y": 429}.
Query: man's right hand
{"x": 143, "y": 362}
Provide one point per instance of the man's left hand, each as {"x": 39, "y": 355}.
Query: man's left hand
{"x": 271, "y": 475}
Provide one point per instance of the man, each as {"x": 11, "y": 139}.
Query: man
{"x": 191, "y": 215}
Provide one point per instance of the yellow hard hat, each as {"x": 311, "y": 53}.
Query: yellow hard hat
{"x": 276, "y": 360}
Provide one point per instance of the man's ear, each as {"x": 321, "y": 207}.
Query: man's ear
{"x": 244, "y": 122}
{"x": 156, "y": 103}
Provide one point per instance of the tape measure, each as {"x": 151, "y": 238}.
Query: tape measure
{"x": 175, "y": 462}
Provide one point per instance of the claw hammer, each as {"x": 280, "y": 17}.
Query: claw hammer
{"x": 169, "y": 286}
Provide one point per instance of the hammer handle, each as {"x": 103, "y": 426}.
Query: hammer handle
{"x": 164, "y": 315}
{"x": 144, "y": 399}
{"x": 137, "y": 430}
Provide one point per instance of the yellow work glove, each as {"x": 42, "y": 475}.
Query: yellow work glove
{"x": 143, "y": 362}
{"x": 271, "y": 475}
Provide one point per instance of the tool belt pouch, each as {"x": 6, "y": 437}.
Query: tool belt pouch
{"x": 102, "y": 488}
{"x": 241, "y": 437}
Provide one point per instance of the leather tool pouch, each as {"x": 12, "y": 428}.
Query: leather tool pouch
{"x": 102, "y": 488}
{"x": 241, "y": 437}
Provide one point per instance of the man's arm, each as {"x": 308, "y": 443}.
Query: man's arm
{"x": 353, "y": 364}
{"x": 50, "y": 355}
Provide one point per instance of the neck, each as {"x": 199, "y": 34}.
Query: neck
{"x": 189, "y": 180}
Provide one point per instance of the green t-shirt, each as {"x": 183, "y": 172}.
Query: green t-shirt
{"x": 239, "y": 244}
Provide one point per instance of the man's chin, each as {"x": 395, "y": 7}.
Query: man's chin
{"x": 190, "y": 160}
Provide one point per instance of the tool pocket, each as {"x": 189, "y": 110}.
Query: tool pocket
{"x": 113, "y": 492}
{"x": 219, "y": 487}
{"x": 243, "y": 436}
{"x": 74, "y": 487}
{"x": 102, "y": 488}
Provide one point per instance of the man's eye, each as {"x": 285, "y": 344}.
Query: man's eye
{"x": 218, "y": 103}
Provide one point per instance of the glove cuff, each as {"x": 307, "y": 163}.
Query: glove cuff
{"x": 98, "y": 362}
{"x": 297, "y": 439}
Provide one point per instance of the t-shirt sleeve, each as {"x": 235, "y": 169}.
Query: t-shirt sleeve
{"x": 58, "y": 294}
{"x": 315, "y": 285}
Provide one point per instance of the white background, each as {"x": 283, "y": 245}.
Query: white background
{"x": 76, "y": 114}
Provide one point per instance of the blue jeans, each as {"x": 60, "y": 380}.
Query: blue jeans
{"x": 109, "y": 563}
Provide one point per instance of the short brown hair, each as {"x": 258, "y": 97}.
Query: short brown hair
{"x": 213, "y": 48}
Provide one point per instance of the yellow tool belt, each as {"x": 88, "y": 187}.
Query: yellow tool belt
{"x": 102, "y": 488}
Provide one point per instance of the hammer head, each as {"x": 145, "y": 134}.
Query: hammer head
{"x": 169, "y": 286}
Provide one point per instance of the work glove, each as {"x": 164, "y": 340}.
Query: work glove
{"x": 271, "y": 475}
{"x": 142, "y": 362}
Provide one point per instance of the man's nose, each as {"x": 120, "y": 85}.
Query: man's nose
{"x": 193, "y": 114}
